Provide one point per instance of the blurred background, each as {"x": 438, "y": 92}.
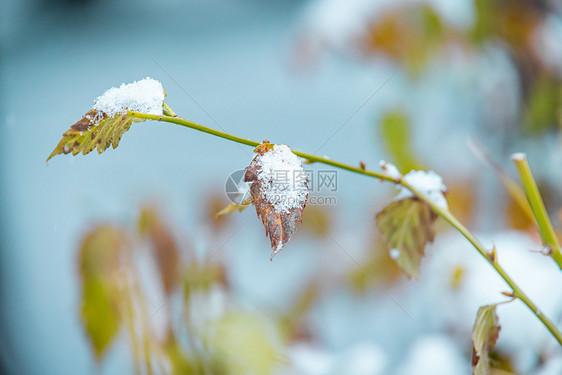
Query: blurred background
{"x": 454, "y": 86}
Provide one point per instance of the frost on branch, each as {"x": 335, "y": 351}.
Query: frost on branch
{"x": 109, "y": 119}
{"x": 279, "y": 190}
{"x": 407, "y": 223}
{"x": 429, "y": 184}
{"x": 485, "y": 333}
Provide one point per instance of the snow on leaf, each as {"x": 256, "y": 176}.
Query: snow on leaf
{"x": 99, "y": 261}
{"x": 146, "y": 95}
{"x": 485, "y": 333}
{"x": 279, "y": 190}
{"x": 406, "y": 226}
{"x": 390, "y": 170}
{"x": 428, "y": 183}
{"x": 109, "y": 119}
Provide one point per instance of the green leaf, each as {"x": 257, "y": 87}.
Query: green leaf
{"x": 94, "y": 130}
{"x": 99, "y": 261}
{"x": 485, "y": 333}
{"x": 100, "y": 315}
{"x": 395, "y": 133}
{"x": 406, "y": 226}
{"x": 543, "y": 106}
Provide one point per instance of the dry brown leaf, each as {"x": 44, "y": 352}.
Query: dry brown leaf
{"x": 164, "y": 246}
{"x": 279, "y": 225}
{"x": 409, "y": 34}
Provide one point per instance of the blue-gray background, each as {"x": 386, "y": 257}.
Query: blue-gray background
{"x": 237, "y": 60}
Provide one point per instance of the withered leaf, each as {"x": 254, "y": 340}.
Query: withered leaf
{"x": 279, "y": 224}
{"x": 409, "y": 34}
{"x": 406, "y": 226}
{"x": 485, "y": 333}
{"x": 164, "y": 247}
{"x": 101, "y": 310}
{"x": 94, "y": 130}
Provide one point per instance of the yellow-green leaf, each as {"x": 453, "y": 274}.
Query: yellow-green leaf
{"x": 233, "y": 207}
{"x": 543, "y": 106}
{"x": 406, "y": 226}
{"x": 94, "y": 130}
{"x": 100, "y": 312}
{"x": 202, "y": 278}
{"x": 247, "y": 343}
{"x": 485, "y": 333}
{"x": 179, "y": 362}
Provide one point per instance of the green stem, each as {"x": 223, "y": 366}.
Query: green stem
{"x": 444, "y": 213}
{"x": 195, "y": 126}
{"x": 537, "y": 206}
{"x": 517, "y": 292}
{"x": 230, "y": 137}
{"x": 169, "y": 110}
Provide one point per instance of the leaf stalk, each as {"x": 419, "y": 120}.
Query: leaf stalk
{"x": 537, "y": 206}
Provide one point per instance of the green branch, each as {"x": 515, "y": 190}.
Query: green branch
{"x": 548, "y": 235}
{"x": 443, "y": 213}
{"x": 230, "y": 137}
{"x": 516, "y": 290}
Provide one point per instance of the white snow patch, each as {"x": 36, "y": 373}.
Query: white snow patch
{"x": 390, "y": 169}
{"x": 145, "y": 96}
{"x": 363, "y": 358}
{"x": 394, "y": 253}
{"x": 284, "y": 182}
{"x": 518, "y": 156}
{"x": 428, "y": 183}
{"x": 435, "y": 355}
{"x": 310, "y": 360}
